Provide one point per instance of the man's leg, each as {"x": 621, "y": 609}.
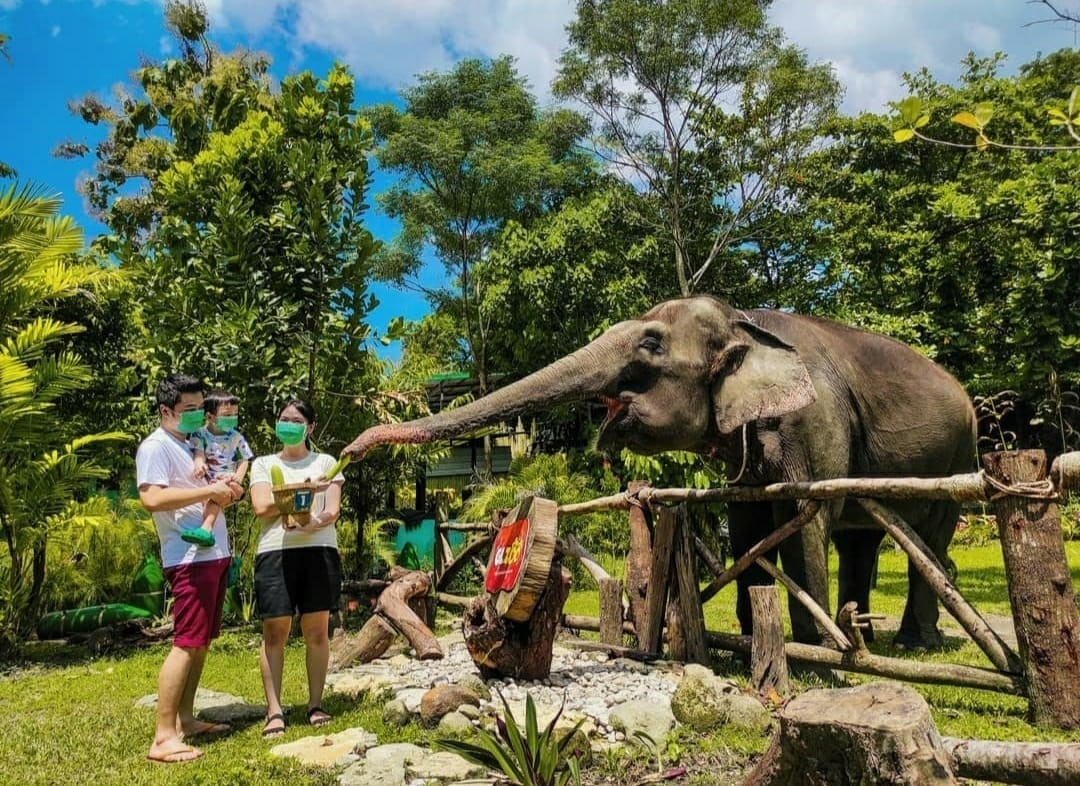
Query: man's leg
{"x": 315, "y": 626}
{"x": 172, "y": 682}
{"x": 185, "y": 715}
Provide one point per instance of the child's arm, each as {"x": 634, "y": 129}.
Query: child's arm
{"x": 199, "y": 456}
{"x": 241, "y": 470}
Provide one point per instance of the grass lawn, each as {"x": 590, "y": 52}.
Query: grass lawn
{"x": 69, "y": 718}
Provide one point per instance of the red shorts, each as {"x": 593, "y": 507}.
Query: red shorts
{"x": 198, "y": 590}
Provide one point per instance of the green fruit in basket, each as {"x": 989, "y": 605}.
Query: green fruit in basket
{"x": 277, "y": 477}
{"x": 334, "y": 470}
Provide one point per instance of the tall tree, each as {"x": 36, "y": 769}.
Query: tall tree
{"x": 706, "y": 110}
{"x": 472, "y": 151}
{"x": 238, "y": 209}
{"x": 968, "y": 254}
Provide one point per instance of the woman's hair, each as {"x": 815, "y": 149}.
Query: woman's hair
{"x": 304, "y": 409}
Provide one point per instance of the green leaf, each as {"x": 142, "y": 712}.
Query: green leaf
{"x": 910, "y": 109}
{"x": 903, "y": 134}
{"x": 983, "y": 112}
{"x": 967, "y": 119}
{"x": 922, "y": 121}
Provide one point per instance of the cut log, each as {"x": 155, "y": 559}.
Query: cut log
{"x": 397, "y": 611}
{"x": 659, "y": 581}
{"x": 521, "y": 557}
{"x": 393, "y": 604}
{"x": 371, "y": 642}
{"x": 879, "y": 733}
{"x": 1041, "y": 592}
{"x": 501, "y": 647}
{"x": 768, "y": 663}
{"x": 1023, "y": 763}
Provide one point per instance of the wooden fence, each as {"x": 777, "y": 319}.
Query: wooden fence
{"x": 662, "y": 601}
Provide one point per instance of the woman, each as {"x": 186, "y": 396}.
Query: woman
{"x": 296, "y": 570}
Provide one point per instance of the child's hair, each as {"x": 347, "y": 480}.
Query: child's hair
{"x": 216, "y": 399}
{"x": 172, "y": 387}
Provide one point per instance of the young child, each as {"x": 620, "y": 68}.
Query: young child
{"x": 217, "y": 448}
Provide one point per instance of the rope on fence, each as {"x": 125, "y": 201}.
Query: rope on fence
{"x": 1030, "y": 489}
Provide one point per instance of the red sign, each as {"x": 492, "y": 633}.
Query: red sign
{"x": 508, "y": 554}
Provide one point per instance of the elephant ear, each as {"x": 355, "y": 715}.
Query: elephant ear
{"x": 758, "y": 375}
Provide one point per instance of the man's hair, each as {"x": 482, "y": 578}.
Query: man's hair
{"x": 216, "y": 399}
{"x": 172, "y": 387}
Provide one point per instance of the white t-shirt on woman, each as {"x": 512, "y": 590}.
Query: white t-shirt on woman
{"x": 275, "y": 537}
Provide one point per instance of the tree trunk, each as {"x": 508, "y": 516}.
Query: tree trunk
{"x": 880, "y": 733}
{"x": 371, "y": 642}
{"x": 501, "y": 647}
{"x": 1041, "y": 592}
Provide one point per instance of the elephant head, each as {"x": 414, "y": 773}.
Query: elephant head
{"x": 683, "y": 374}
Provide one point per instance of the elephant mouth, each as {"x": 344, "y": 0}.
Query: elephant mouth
{"x": 617, "y": 419}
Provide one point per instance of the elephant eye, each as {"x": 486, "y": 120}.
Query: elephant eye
{"x": 650, "y": 344}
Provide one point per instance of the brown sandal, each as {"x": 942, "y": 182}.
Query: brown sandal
{"x": 325, "y": 717}
{"x": 276, "y": 731}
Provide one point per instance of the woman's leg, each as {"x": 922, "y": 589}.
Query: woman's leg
{"x": 315, "y": 627}
{"x": 272, "y": 660}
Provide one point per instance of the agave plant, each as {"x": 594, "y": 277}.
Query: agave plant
{"x": 529, "y": 758}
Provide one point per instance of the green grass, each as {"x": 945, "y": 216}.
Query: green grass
{"x": 68, "y": 717}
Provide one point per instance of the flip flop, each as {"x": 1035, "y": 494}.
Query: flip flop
{"x": 267, "y": 732}
{"x": 198, "y": 536}
{"x": 184, "y": 754}
{"x": 209, "y": 730}
{"x": 325, "y": 719}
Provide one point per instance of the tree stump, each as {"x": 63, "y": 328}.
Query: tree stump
{"x": 879, "y": 733}
{"x": 501, "y": 647}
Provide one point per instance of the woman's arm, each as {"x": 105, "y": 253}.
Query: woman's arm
{"x": 331, "y": 508}
{"x": 262, "y": 501}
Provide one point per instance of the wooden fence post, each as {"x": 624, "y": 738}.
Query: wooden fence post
{"x": 611, "y": 611}
{"x": 685, "y": 602}
{"x": 768, "y": 663}
{"x": 649, "y": 633}
{"x": 1040, "y": 587}
{"x": 638, "y": 561}
{"x": 442, "y": 516}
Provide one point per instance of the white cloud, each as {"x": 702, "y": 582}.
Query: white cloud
{"x": 55, "y": 31}
{"x": 869, "y": 42}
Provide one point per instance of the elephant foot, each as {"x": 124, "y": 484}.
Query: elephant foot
{"x": 914, "y": 642}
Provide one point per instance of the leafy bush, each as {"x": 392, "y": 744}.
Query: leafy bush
{"x": 535, "y": 758}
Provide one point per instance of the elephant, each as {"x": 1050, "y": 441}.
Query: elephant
{"x": 777, "y": 397}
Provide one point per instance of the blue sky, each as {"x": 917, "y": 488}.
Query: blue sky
{"x": 64, "y": 49}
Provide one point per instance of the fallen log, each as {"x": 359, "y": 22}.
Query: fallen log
{"x": 394, "y": 613}
{"x": 393, "y": 604}
{"x": 1022, "y": 763}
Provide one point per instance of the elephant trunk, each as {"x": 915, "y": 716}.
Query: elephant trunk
{"x": 577, "y": 377}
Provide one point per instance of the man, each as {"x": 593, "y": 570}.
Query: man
{"x": 169, "y": 490}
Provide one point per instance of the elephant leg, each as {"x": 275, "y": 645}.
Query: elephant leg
{"x": 805, "y": 559}
{"x": 857, "y": 553}
{"x": 748, "y": 522}
{"x": 918, "y": 627}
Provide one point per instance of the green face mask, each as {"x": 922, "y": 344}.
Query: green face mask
{"x": 290, "y": 433}
{"x": 191, "y": 421}
{"x": 227, "y": 422}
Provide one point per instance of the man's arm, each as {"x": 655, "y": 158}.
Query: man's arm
{"x": 163, "y": 498}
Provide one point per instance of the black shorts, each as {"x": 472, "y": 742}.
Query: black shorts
{"x": 297, "y": 580}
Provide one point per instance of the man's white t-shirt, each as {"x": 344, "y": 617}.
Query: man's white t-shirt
{"x": 275, "y": 537}
{"x": 164, "y": 460}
